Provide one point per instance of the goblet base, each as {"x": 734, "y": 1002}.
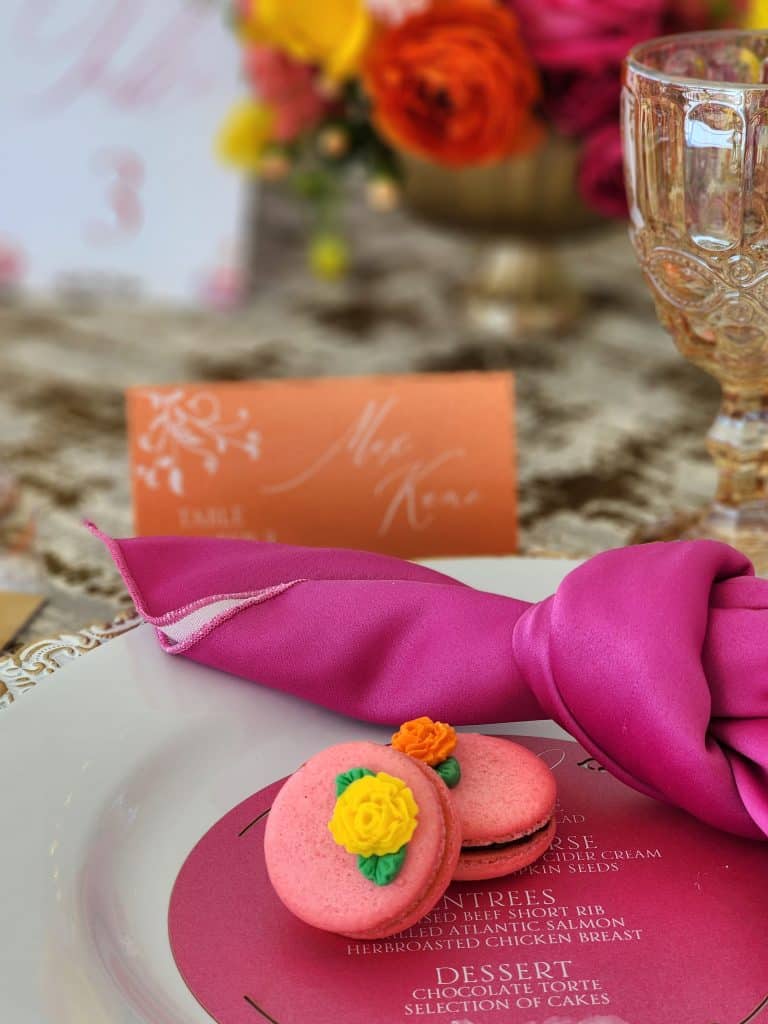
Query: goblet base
{"x": 745, "y": 529}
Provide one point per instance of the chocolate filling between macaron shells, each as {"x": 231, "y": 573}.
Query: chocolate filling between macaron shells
{"x": 510, "y": 844}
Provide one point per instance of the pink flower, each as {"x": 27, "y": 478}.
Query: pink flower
{"x": 577, "y": 104}
{"x": 601, "y": 175}
{"x": 581, "y": 35}
{"x": 12, "y": 264}
{"x": 223, "y": 288}
{"x": 289, "y": 88}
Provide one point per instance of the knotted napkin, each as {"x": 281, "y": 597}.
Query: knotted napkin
{"x": 655, "y": 657}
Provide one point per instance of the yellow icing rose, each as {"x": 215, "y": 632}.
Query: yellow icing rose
{"x": 427, "y": 741}
{"x": 375, "y": 815}
{"x": 244, "y": 135}
{"x": 331, "y": 33}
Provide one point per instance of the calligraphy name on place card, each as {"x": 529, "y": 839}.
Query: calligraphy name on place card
{"x": 411, "y": 465}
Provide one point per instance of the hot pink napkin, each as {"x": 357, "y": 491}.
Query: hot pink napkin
{"x": 655, "y": 658}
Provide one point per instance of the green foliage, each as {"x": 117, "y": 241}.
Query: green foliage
{"x": 449, "y": 771}
{"x": 347, "y": 778}
{"x": 382, "y": 870}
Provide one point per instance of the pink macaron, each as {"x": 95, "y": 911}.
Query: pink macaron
{"x": 362, "y": 840}
{"x": 506, "y": 802}
{"x": 504, "y": 794}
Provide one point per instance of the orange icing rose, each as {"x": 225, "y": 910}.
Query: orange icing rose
{"x": 427, "y": 741}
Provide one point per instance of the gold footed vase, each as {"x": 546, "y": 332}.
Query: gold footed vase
{"x": 516, "y": 212}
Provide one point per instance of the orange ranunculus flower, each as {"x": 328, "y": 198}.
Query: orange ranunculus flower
{"x": 427, "y": 741}
{"x": 455, "y": 84}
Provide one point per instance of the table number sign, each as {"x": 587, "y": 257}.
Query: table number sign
{"x": 109, "y": 111}
{"x": 412, "y": 465}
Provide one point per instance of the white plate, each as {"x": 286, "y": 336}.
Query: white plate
{"x": 111, "y": 772}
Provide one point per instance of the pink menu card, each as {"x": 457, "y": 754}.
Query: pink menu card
{"x": 638, "y": 914}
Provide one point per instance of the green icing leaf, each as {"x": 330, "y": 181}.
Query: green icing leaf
{"x": 382, "y": 870}
{"x": 347, "y": 778}
{"x": 449, "y": 771}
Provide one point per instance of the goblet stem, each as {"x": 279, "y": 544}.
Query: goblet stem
{"x": 738, "y": 443}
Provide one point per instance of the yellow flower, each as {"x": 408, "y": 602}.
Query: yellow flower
{"x": 328, "y": 256}
{"x": 757, "y": 14}
{"x": 244, "y": 134}
{"x": 375, "y": 815}
{"x": 427, "y": 741}
{"x": 331, "y": 33}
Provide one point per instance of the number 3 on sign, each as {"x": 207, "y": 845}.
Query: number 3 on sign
{"x": 122, "y": 172}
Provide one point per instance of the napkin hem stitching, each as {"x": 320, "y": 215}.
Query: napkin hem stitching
{"x": 249, "y": 600}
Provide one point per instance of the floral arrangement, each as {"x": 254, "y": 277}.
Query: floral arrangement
{"x": 354, "y": 84}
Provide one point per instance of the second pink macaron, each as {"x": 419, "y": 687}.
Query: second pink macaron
{"x": 504, "y": 794}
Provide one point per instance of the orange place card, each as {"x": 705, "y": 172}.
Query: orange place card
{"x": 412, "y": 466}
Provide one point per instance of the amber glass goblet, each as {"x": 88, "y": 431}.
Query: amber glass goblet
{"x": 695, "y": 126}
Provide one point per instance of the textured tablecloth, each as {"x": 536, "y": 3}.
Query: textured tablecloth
{"x": 611, "y": 420}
